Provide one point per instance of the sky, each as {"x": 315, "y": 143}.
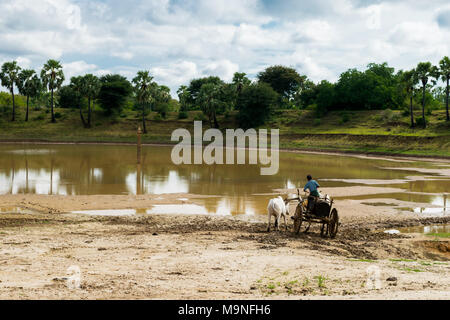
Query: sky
{"x": 178, "y": 40}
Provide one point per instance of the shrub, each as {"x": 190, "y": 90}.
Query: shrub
{"x": 200, "y": 117}
{"x": 317, "y": 122}
{"x": 157, "y": 117}
{"x": 256, "y": 104}
{"x": 344, "y": 117}
{"x": 69, "y": 98}
{"x": 58, "y": 115}
{"x": 419, "y": 121}
{"x": 183, "y": 115}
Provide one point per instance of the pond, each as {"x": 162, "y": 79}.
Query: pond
{"x": 112, "y": 169}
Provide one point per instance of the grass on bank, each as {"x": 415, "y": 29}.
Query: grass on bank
{"x": 439, "y": 234}
{"x": 383, "y": 131}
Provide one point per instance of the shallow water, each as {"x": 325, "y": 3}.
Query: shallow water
{"x": 108, "y": 169}
{"x": 427, "y": 229}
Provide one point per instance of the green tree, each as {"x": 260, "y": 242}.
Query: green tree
{"x": 209, "y": 100}
{"x": 68, "y": 97}
{"x": 161, "y": 99}
{"x": 30, "y": 86}
{"x": 306, "y": 94}
{"x": 240, "y": 80}
{"x": 52, "y": 77}
{"x": 384, "y": 87}
{"x": 425, "y": 71}
{"x": 409, "y": 80}
{"x": 256, "y": 104}
{"x": 444, "y": 70}
{"x": 9, "y": 77}
{"x": 73, "y": 97}
{"x": 114, "y": 91}
{"x": 144, "y": 88}
{"x": 183, "y": 97}
{"x": 324, "y": 97}
{"x": 284, "y": 80}
{"x": 374, "y": 89}
{"x": 195, "y": 86}
{"x": 90, "y": 89}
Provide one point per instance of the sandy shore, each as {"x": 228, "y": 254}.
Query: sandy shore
{"x": 204, "y": 257}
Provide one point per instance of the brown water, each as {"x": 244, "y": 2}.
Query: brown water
{"x": 427, "y": 229}
{"x": 107, "y": 169}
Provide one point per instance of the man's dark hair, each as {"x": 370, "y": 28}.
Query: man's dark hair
{"x": 309, "y": 177}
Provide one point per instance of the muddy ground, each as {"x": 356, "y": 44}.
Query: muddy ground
{"x": 204, "y": 257}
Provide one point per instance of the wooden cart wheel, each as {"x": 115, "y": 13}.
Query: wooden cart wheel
{"x": 333, "y": 225}
{"x": 298, "y": 218}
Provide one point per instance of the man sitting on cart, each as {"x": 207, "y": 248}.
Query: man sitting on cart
{"x": 312, "y": 186}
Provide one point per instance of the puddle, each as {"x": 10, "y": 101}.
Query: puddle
{"x": 443, "y": 228}
{"x": 438, "y": 212}
{"x": 432, "y": 211}
{"x": 379, "y": 204}
{"x": 189, "y": 209}
{"x": 16, "y": 210}
{"x": 107, "y": 213}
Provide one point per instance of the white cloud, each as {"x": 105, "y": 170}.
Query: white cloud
{"x": 77, "y": 68}
{"x": 178, "y": 40}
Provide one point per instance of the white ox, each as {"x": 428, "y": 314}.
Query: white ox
{"x": 278, "y": 208}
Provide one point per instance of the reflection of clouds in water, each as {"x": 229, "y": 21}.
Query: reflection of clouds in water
{"x": 290, "y": 185}
{"x": 195, "y": 176}
{"x": 177, "y": 209}
{"x": 433, "y": 211}
{"x": 31, "y": 152}
{"x": 441, "y": 201}
{"x": 39, "y": 182}
{"x": 107, "y": 213}
{"x": 223, "y": 208}
{"x": 173, "y": 183}
{"x": 157, "y": 209}
{"x": 98, "y": 174}
{"x": 130, "y": 181}
{"x": 436, "y": 229}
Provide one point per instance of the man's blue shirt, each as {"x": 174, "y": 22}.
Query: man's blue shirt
{"x": 312, "y": 186}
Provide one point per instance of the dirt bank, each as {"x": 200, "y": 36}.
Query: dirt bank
{"x": 204, "y": 257}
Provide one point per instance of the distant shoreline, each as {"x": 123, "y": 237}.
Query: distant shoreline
{"x": 291, "y": 150}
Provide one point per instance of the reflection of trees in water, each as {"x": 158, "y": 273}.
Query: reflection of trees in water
{"x": 95, "y": 169}
{"x": 68, "y": 170}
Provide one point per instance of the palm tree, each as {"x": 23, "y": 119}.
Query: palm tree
{"x": 444, "y": 69}
{"x": 183, "y": 96}
{"x": 77, "y": 85}
{"x": 10, "y": 76}
{"x": 409, "y": 80}
{"x": 208, "y": 98}
{"x": 91, "y": 88}
{"x": 425, "y": 71}
{"x": 52, "y": 77}
{"x": 29, "y": 85}
{"x": 143, "y": 86}
{"x": 240, "y": 80}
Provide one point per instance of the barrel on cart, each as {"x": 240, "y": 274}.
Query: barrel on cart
{"x": 317, "y": 210}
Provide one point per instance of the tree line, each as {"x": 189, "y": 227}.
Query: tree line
{"x": 275, "y": 88}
